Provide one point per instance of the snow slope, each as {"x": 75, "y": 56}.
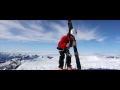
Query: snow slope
{"x": 49, "y": 61}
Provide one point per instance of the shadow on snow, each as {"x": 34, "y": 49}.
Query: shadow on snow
{"x": 100, "y": 69}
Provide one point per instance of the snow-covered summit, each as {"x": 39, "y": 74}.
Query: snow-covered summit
{"x": 40, "y": 61}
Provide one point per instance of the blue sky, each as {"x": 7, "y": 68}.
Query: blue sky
{"x": 94, "y": 36}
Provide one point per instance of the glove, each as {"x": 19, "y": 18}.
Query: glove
{"x": 68, "y": 43}
{"x": 74, "y": 43}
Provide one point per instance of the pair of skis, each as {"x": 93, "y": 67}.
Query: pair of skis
{"x": 70, "y": 26}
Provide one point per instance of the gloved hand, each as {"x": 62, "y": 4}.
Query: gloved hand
{"x": 73, "y": 43}
{"x": 68, "y": 44}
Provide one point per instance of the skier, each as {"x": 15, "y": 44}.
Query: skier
{"x": 63, "y": 46}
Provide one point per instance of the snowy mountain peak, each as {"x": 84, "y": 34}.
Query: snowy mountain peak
{"x": 20, "y": 61}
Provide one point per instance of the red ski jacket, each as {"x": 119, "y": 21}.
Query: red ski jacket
{"x": 62, "y": 43}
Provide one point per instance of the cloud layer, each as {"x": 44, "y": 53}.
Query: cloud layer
{"x": 43, "y": 31}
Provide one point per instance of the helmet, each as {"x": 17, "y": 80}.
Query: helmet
{"x": 73, "y": 32}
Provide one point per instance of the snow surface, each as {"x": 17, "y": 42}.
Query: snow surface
{"x": 49, "y": 61}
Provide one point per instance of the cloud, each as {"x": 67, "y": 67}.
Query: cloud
{"x": 101, "y": 39}
{"x": 89, "y": 34}
{"x": 42, "y": 31}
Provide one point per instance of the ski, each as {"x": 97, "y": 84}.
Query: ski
{"x": 70, "y": 26}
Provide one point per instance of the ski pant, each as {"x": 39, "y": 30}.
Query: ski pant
{"x": 62, "y": 57}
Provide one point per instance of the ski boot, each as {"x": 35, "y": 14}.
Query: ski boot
{"x": 61, "y": 69}
{"x": 69, "y": 68}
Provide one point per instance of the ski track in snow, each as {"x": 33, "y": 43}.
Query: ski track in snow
{"x": 48, "y": 61}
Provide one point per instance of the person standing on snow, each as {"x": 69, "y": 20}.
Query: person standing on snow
{"x": 64, "y": 45}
